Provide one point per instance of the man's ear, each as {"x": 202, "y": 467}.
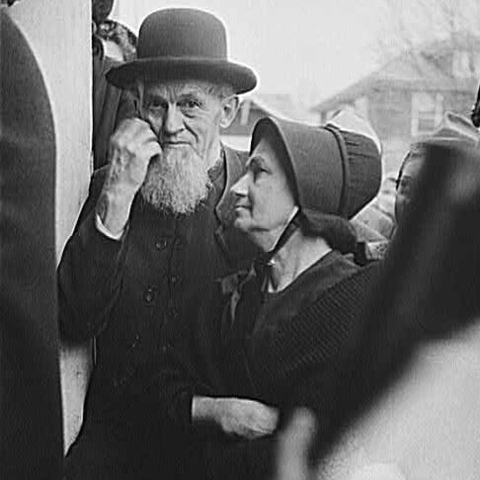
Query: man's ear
{"x": 229, "y": 110}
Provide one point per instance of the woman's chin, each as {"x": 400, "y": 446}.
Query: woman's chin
{"x": 241, "y": 223}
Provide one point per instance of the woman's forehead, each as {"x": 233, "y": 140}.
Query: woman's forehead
{"x": 268, "y": 151}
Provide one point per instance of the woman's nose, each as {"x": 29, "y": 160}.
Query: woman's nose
{"x": 240, "y": 188}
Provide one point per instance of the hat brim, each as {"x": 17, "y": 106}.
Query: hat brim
{"x": 241, "y": 78}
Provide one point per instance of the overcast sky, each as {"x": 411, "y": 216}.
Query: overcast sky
{"x": 312, "y": 46}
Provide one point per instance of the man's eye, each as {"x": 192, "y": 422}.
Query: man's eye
{"x": 189, "y": 104}
{"x": 155, "y": 105}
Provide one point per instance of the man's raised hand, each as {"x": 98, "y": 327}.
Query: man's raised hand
{"x": 132, "y": 146}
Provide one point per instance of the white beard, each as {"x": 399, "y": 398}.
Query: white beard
{"x": 177, "y": 181}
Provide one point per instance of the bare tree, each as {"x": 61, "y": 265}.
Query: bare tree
{"x": 410, "y": 23}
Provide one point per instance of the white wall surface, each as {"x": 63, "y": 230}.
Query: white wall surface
{"x": 426, "y": 427}
{"x": 59, "y": 33}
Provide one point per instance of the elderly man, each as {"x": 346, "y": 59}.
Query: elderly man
{"x": 156, "y": 227}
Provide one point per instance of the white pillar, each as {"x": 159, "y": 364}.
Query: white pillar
{"x": 59, "y": 32}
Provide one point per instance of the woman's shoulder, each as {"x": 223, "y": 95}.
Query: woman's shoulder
{"x": 350, "y": 290}
{"x": 328, "y": 271}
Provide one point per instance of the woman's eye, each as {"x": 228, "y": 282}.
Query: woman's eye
{"x": 257, "y": 171}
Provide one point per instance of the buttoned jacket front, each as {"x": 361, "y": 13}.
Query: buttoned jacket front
{"x": 131, "y": 295}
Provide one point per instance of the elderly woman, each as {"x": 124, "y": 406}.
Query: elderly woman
{"x": 270, "y": 340}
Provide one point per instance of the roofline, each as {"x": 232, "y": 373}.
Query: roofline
{"x": 356, "y": 89}
{"x": 352, "y": 93}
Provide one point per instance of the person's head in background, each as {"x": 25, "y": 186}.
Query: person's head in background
{"x": 453, "y": 127}
{"x": 407, "y": 176}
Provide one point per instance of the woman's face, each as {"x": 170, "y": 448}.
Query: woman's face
{"x": 264, "y": 201}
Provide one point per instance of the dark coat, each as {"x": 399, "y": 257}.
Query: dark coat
{"x": 131, "y": 294}
{"x": 30, "y": 403}
{"x": 294, "y": 364}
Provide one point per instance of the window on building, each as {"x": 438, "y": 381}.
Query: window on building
{"x": 427, "y": 111}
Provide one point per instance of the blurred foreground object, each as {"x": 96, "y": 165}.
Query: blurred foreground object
{"x": 410, "y": 396}
{"x": 30, "y": 406}
{"x": 425, "y": 303}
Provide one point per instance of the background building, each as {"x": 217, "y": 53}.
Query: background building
{"x": 258, "y": 105}
{"x": 408, "y": 96}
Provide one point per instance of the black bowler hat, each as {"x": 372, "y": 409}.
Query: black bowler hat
{"x": 183, "y": 43}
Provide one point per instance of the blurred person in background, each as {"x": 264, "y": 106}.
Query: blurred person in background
{"x": 111, "y": 104}
{"x": 453, "y": 127}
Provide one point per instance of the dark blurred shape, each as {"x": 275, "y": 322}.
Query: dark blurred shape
{"x": 453, "y": 128}
{"x": 101, "y": 9}
{"x": 110, "y": 104}
{"x": 30, "y": 405}
{"x": 429, "y": 287}
{"x": 475, "y": 115}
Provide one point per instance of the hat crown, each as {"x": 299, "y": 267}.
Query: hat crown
{"x": 183, "y": 43}
{"x": 182, "y": 33}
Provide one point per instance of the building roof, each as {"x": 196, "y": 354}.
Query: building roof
{"x": 281, "y": 105}
{"x": 419, "y": 68}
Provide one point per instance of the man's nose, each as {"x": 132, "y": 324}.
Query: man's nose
{"x": 173, "y": 121}
{"x": 240, "y": 188}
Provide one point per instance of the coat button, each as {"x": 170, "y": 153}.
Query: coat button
{"x": 136, "y": 341}
{"x": 161, "y": 244}
{"x": 149, "y": 295}
{"x": 174, "y": 279}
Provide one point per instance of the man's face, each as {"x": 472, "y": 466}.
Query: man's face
{"x": 186, "y": 117}
{"x": 406, "y": 185}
